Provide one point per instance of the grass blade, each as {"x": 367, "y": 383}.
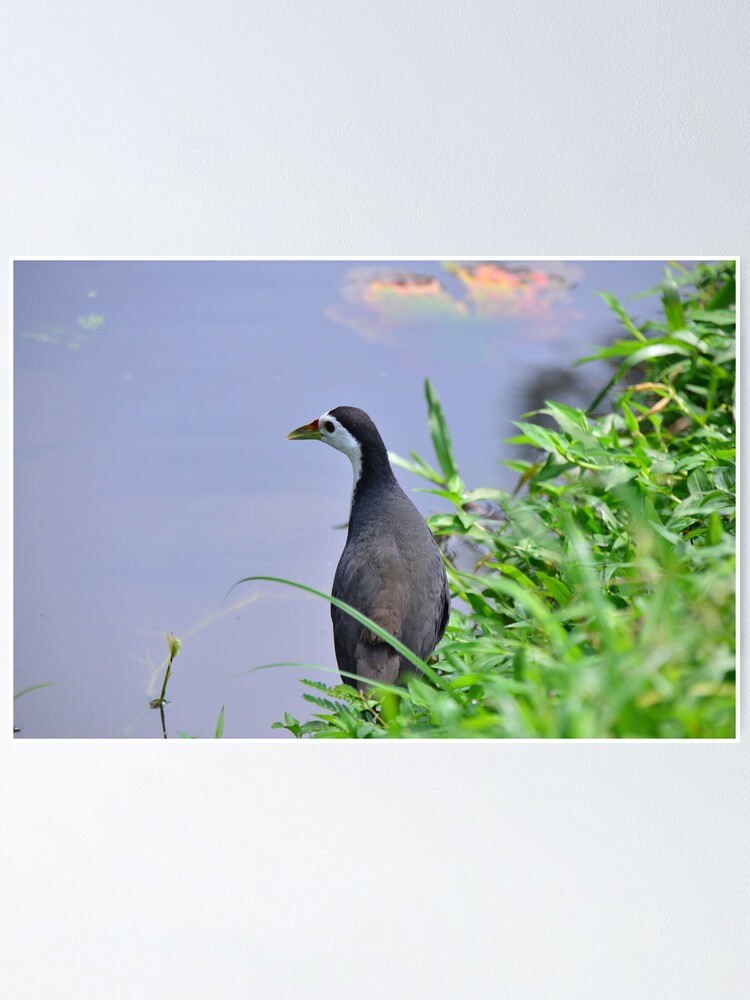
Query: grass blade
{"x": 357, "y": 616}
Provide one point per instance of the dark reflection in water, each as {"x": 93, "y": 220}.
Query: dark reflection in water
{"x": 152, "y": 400}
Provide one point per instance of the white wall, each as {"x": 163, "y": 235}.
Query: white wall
{"x": 431, "y": 128}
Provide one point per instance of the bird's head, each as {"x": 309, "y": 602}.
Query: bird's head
{"x": 344, "y": 428}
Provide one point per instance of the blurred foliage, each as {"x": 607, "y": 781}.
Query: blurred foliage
{"x": 601, "y": 599}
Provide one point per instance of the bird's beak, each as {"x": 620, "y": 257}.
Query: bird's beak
{"x": 308, "y": 432}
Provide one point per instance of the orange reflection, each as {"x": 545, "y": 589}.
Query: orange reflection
{"x": 379, "y": 301}
{"x": 405, "y": 295}
{"x": 497, "y": 290}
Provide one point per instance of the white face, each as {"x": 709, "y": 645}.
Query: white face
{"x": 333, "y": 432}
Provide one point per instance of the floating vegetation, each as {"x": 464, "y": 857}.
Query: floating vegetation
{"x": 72, "y": 337}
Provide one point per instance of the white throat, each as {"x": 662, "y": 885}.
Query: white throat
{"x": 356, "y": 459}
{"x": 342, "y": 440}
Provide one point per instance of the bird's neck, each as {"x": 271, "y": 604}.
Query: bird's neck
{"x": 372, "y": 471}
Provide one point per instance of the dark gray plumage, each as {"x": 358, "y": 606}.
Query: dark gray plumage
{"x": 391, "y": 569}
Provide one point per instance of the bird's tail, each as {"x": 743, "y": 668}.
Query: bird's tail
{"x": 377, "y": 663}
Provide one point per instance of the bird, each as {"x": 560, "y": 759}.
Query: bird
{"x": 391, "y": 569}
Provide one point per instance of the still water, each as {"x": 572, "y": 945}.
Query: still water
{"x": 152, "y": 400}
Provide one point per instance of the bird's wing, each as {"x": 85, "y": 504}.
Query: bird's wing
{"x": 430, "y": 625}
{"x": 429, "y": 600}
{"x": 372, "y": 580}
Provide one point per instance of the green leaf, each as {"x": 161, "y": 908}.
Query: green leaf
{"x": 515, "y": 574}
{"x": 719, "y": 317}
{"x": 672, "y": 303}
{"x": 487, "y": 494}
{"x": 570, "y": 421}
{"x": 538, "y": 436}
{"x": 557, "y": 589}
{"x": 715, "y": 529}
{"x": 698, "y": 483}
{"x": 630, "y": 420}
{"x": 617, "y": 349}
{"x": 418, "y": 466}
{"x": 725, "y": 296}
{"x": 690, "y": 338}
{"x": 220, "y": 725}
{"x": 619, "y": 310}
{"x": 34, "y": 687}
{"x": 657, "y": 350}
{"x": 441, "y": 439}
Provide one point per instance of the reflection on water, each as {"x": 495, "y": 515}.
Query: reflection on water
{"x": 152, "y": 470}
{"x": 381, "y": 301}
{"x": 497, "y": 291}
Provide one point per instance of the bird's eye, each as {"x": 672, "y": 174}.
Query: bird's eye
{"x": 329, "y": 426}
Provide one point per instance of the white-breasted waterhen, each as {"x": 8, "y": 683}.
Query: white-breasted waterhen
{"x": 391, "y": 568}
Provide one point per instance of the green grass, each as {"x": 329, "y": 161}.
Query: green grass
{"x": 602, "y": 601}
